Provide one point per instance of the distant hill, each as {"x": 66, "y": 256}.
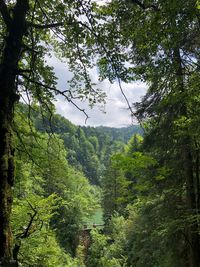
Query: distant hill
{"x": 88, "y": 148}
{"x": 116, "y": 134}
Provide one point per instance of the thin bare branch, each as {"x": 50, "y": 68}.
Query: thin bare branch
{"x": 46, "y": 26}
{"x": 58, "y": 92}
{"x": 113, "y": 65}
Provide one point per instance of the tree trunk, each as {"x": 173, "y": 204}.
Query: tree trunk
{"x": 193, "y": 235}
{"x": 6, "y": 178}
{"x": 192, "y": 194}
{"x": 8, "y": 71}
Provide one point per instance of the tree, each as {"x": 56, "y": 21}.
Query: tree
{"x": 161, "y": 55}
{"x": 30, "y": 31}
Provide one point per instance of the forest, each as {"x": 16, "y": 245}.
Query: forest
{"x": 83, "y": 196}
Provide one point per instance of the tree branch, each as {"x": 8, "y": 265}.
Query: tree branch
{"x": 46, "y": 26}
{"x": 25, "y": 234}
{"x": 5, "y": 14}
{"x": 58, "y": 92}
{"x": 113, "y": 64}
{"x": 143, "y": 6}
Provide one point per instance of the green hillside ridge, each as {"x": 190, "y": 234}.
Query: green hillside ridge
{"x": 88, "y": 148}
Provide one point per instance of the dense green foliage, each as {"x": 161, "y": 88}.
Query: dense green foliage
{"x": 148, "y": 209}
{"x": 150, "y": 186}
{"x": 144, "y": 199}
{"x": 52, "y": 199}
{"x": 154, "y": 187}
{"x": 157, "y": 188}
{"x": 88, "y": 148}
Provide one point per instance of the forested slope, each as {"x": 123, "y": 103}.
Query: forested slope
{"x": 88, "y": 148}
{"x": 142, "y": 192}
{"x": 53, "y": 198}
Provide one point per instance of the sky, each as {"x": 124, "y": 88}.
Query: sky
{"x": 115, "y": 113}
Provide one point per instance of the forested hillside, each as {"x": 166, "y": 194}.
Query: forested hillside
{"x": 140, "y": 194}
{"x": 53, "y": 197}
{"x": 88, "y": 148}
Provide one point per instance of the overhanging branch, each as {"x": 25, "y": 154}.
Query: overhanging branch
{"x": 46, "y": 26}
{"x": 58, "y": 92}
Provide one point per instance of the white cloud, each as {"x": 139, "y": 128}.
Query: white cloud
{"x": 116, "y": 109}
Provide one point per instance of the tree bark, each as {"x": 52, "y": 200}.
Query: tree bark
{"x": 193, "y": 235}
{"x": 8, "y": 97}
{"x": 189, "y": 168}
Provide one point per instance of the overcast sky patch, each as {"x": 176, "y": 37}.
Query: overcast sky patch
{"x": 114, "y": 114}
